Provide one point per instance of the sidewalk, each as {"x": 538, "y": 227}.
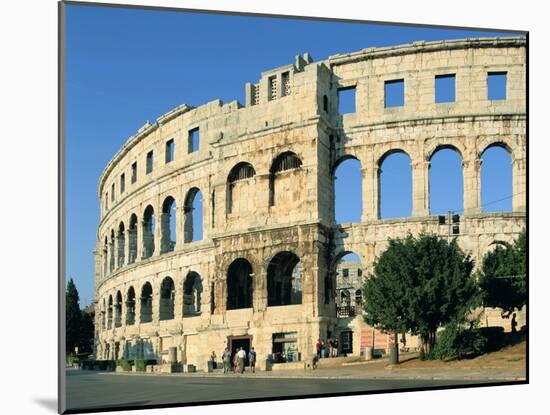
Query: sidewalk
{"x": 374, "y": 369}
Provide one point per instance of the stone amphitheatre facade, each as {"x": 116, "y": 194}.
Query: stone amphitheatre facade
{"x": 261, "y": 270}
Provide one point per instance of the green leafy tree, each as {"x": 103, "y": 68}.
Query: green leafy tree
{"x": 503, "y": 277}
{"x": 72, "y": 317}
{"x": 418, "y": 285}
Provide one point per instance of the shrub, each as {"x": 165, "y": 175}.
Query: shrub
{"x": 458, "y": 342}
{"x": 125, "y": 364}
{"x": 141, "y": 363}
{"x": 494, "y": 336}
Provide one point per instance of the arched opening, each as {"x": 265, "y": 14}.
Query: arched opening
{"x": 103, "y": 315}
{"x": 112, "y": 252}
{"x": 131, "y": 307}
{"x": 284, "y": 280}
{"x": 239, "y": 284}
{"x": 283, "y": 189}
{"x": 496, "y": 179}
{"x": 193, "y": 223}
{"x": 121, "y": 244}
{"x": 192, "y": 294}
{"x": 395, "y": 185}
{"x": 105, "y": 257}
{"x": 446, "y": 183}
{"x": 239, "y": 187}
{"x": 132, "y": 240}
{"x": 167, "y": 297}
{"x": 110, "y": 313}
{"x": 118, "y": 309}
{"x": 348, "y": 191}
{"x": 168, "y": 225}
{"x": 146, "y": 303}
{"x": 148, "y": 232}
{"x": 349, "y": 279}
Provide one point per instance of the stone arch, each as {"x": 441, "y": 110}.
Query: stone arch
{"x": 497, "y": 178}
{"x": 284, "y": 280}
{"x": 146, "y": 303}
{"x": 497, "y": 141}
{"x": 168, "y": 225}
{"x": 192, "y": 294}
{"x": 283, "y": 162}
{"x": 130, "y": 306}
{"x": 194, "y": 215}
{"x": 167, "y": 298}
{"x": 347, "y": 191}
{"x": 121, "y": 244}
{"x": 132, "y": 238}
{"x": 238, "y": 181}
{"x": 118, "y": 309}
{"x": 347, "y": 271}
{"x": 110, "y": 312}
{"x": 149, "y": 224}
{"x": 105, "y": 256}
{"x": 387, "y": 207}
{"x": 239, "y": 284}
{"x": 445, "y": 179}
{"x": 436, "y": 145}
{"x": 112, "y": 251}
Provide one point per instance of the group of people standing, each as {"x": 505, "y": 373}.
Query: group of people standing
{"x": 239, "y": 360}
{"x": 327, "y": 349}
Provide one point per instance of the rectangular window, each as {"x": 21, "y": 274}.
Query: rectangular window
{"x": 106, "y": 200}
{"x": 445, "y": 88}
{"x": 113, "y": 192}
{"x": 193, "y": 140}
{"x": 272, "y": 83}
{"x": 496, "y": 85}
{"x": 394, "y": 93}
{"x": 149, "y": 164}
{"x": 169, "y": 155}
{"x": 285, "y": 81}
{"x": 345, "y": 272}
{"x": 346, "y": 100}
{"x": 122, "y": 183}
{"x": 134, "y": 172}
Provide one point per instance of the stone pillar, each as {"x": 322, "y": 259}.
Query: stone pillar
{"x": 471, "y": 171}
{"x": 137, "y": 306}
{"x": 370, "y": 184}
{"x": 259, "y": 294}
{"x": 420, "y": 188}
{"x": 157, "y": 234}
{"x": 519, "y": 186}
{"x": 155, "y": 305}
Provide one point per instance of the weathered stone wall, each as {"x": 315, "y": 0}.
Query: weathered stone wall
{"x": 242, "y": 219}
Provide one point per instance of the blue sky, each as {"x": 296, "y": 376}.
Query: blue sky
{"x": 127, "y": 66}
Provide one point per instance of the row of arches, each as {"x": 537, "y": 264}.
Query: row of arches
{"x": 115, "y": 243}
{"x": 284, "y": 287}
{"x": 445, "y": 183}
{"x": 239, "y": 187}
{"x": 112, "y": 307}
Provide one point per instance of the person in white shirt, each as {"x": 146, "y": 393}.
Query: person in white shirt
{"x": 241, "y": 354}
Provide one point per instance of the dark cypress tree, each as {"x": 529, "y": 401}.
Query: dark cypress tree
{"x": 72, "y": 317}
{"x": 87, "y": 331}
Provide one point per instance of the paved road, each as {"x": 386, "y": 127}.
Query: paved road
{"x": 93, "y": 390}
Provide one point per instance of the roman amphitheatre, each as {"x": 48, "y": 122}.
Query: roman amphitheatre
{"x": 218, "y": 225}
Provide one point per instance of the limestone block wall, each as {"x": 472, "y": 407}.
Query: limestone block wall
{"x": 254, "y": 205}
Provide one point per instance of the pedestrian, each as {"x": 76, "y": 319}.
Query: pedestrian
{"x": 335, "y": 346}
{"x": 241, "y": 355}
{"x": 252, "y": 359}
{"x": 323, "y": 349}
{"x": 318, "y": 348}
{"x": 235, "y": 361}
{"x": 213, "y": 358}
{"x": 330, "y": 352}
{"x": 226, "y": 360}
